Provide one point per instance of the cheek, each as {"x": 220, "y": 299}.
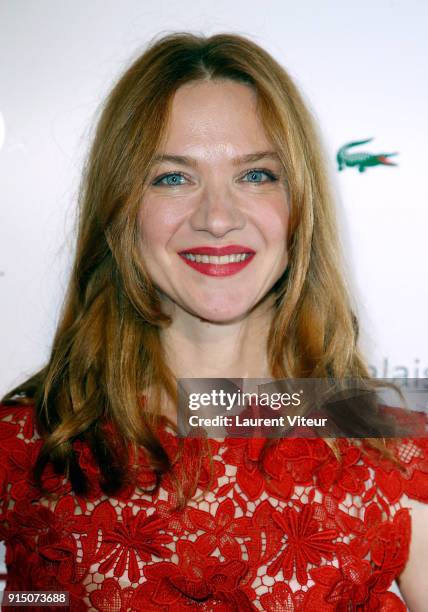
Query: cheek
{"x": 151, "y": 236}
{"x": 157, "y": 225}
{"x": 274, "y": 221}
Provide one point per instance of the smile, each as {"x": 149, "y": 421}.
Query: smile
{"x": 218, "y": 261}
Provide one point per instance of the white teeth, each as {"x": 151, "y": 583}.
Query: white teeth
{"x": 216, "y": 259}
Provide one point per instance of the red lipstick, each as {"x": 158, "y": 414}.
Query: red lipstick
{"x": 234, "y": 258}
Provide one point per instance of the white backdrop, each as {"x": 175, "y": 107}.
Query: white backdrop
{"x": 362, "y": 67}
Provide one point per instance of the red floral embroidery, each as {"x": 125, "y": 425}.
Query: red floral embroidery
{"x": 412, "y": 479}
{"x": 345, "y": 475}
{"x": 305, "y": 543}
{"x": 299, "y": 457}
{"x": 283, "y": 527}
{"x": 198, "y": 579}
{"x": 111, "y": 597}
{"x": 221, "y": 530}
{"x": 351, "y": 584}
{"x": 136, "y": 535}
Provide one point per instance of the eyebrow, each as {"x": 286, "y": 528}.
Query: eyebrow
{"x": 184, "y": 160}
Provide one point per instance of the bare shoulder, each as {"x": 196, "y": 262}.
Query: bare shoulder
{"x": 413, "y": 581}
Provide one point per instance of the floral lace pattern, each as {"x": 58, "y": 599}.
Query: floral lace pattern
{"x": 295, "y": 530}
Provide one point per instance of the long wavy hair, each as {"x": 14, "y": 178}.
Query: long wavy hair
{"x": 106, "y": 353}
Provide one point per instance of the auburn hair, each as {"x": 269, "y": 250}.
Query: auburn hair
{"x": 106, "y": 353}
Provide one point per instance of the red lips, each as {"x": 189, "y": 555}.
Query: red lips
{"x": 219, "y": 270}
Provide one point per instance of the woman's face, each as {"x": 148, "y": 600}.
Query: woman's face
{"x": 213, "y": 221}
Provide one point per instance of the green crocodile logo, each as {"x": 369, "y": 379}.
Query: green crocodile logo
{"x": 361, "y": 160}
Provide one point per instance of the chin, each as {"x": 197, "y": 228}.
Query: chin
{"x": 211, "y": 308}
{"x": 219, "y": 319}
{"x": 221, "y": 313}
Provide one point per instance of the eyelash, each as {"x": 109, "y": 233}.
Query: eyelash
{"x": 272, "y": 177}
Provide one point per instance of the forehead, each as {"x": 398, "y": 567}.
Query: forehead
{"x": 219, "y": 115}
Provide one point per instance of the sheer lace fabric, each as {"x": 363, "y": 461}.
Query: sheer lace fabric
{"x": 297, "y": 530}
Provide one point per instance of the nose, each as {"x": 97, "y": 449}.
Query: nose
{"x": 217, "y": 212}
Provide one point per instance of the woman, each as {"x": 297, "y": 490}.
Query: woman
{"x": 207, "y": 248}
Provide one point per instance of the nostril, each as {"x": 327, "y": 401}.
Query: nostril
{"x": 218, "y": 220}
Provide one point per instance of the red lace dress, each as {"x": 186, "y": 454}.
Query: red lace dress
{"x": 306, "y": 532}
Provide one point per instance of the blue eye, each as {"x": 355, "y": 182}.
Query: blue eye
{"x": 171, "y": 179}
{"x": 256, "y": 176}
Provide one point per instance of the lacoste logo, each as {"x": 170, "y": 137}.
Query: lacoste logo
{"x": 361, "y": 160}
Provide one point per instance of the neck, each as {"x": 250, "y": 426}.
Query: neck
{"x": 195, "y": 348}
